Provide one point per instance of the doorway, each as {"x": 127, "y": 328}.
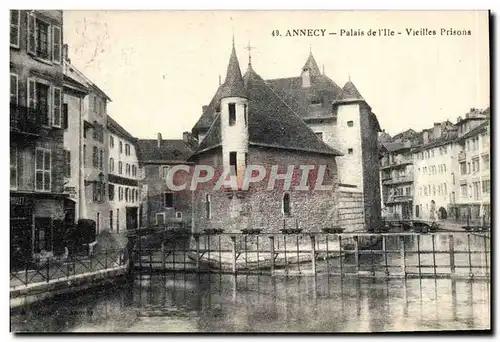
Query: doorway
{"x": 131, "y": 217}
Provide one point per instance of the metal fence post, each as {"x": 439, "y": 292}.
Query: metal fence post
{"x": 313, "y": 253}
{"x": 452, "y": 254}
{"x": 403, "y": 255}
{"x": 163, "y": 265}
{"x": 356, "y": 253}
{"x": 384, "y": 248}
{"x": 48, "y": 269}
{"x": 233, "y": 250}
{"x": 271, "y": 242}
{"x": 486, "y": 256}
{"x": 197, "y": 242}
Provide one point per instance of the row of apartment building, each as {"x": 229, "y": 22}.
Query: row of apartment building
{"x": 68, "y": 158}
{"x": 439, "y": 173}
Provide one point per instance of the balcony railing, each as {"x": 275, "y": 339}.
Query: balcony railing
{"x": 25, "y": 120}
{"x": 398, "y": 198}
{"x": 396, "y": 180}
{"x": 397, "y": 162}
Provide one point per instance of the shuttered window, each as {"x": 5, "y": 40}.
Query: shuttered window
{"x": 14, "y": 28}
{"x": 56, "y": 44}
{"x": 42, "y": 170}
{"x": 14, "y": 90}
{"x": 56, "y": 107}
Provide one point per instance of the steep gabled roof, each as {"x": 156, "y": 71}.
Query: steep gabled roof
{"x": 208, "y": 115}
{"x": 299, "y": 98}
{"x": 271, "y": 123}
{"x": 170, "y": 150}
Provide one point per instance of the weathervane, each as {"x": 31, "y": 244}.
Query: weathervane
{"x": 249, "y": 48}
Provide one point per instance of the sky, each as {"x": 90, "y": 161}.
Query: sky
{"x": 160, "y": 67}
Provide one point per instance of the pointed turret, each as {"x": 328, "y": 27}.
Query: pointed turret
{"x": 349, "y": 93}
{"x": 233, "y": 85}
{"x": 311, "y": 66}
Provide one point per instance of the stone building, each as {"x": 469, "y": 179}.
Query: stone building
{"x": 250, "y": 124}
{"x": 339, "y": 117}
{"x": 159, "y": 205}
{"x": 85, "y": 142}
{"x": 123, "y": 179}
{"x": 433, "y": 165}
{"x": 473, "y": 184}
{"x": 396, "y": 173}
{"x": 451, "y": 170}
{"x": 38, "y": 204}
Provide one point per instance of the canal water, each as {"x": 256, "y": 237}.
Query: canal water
{"x": 226, "y": 303}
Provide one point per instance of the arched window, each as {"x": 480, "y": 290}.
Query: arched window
{"x": 136, "y": 195}
{"x": 111, "y": 165}
{"x": 126, "y": 194}
{"x": 286, "y": 205}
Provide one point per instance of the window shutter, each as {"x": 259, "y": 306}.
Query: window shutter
{"x": 56, "y": 44}
{"x": 14, "y": 90}
{"x": 65, "y": 116}
{"x": 31, "y": 33}
{"x": 56, "y": 107}
{"x": 31, "y": 94}
{"x": 14, "y": 28}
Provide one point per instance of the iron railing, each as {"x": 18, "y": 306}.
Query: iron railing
{"x": 53, "y": 269}
{"x": 440, "y": 254}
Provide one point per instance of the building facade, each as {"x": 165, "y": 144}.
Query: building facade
{"x": 161, "y": 207}
{"x": 38, "y": 205}
{"x": 342, "y": 119}
{"x": 123, "y": 179}
{"x": 449, "y": 165}
{"x": 85, "y": 141}
{"x": 473, "y": 185}
{"x": 251, "y": 126}
{"x": 396, "y": 173}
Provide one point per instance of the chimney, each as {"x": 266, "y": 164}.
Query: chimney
{"x": 186, "y": 136}
{"x": 306, "y": 78}
{"x": 437, "y": 130}
{"x": 159, "y": 140}
{"x": 425, "y": 137}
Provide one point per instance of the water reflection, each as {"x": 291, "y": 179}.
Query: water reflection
{"x": 213, "y": 302}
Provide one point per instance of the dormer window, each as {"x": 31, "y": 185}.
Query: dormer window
{"x": 232, "y": 114}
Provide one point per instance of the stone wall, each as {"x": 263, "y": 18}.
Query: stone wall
{"x": 351, "y": 211}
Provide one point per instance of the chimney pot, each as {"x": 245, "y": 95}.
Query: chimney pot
{"x": 159, "y": 140}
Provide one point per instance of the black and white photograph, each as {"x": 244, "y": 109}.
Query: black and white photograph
{"x": 250, "y": 171}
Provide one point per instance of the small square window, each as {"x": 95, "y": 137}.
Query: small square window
{"x": 350, "y": 123}
{"x": 178, "y": 215}
{"x": 319, "y": 135}
{"x": 350, "y": 151}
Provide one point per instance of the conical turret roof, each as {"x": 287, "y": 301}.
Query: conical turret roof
{"x": 350, "y": 93}
{"x": 312, "y": 66}
{"x": 233, "y": 85}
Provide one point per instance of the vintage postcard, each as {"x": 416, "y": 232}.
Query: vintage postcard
{"x": 250, "y": 171}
